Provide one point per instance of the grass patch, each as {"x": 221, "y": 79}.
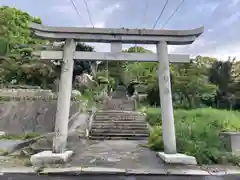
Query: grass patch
{"x": 3, "y": 152}
{"x": 24, "y": 136}
{"x": 197, "y": 133}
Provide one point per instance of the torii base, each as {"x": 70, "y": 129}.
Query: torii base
{"x": 177, "y": 158}
{"x": 48, "y": 157}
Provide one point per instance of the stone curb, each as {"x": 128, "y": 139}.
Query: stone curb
{"x": 20, "y": 170}
{"x": 75, "y": 171}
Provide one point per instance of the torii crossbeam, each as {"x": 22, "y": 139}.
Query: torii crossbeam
{"x": 161, "y": 38}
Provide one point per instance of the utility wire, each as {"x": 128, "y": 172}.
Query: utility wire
{"x": 76, "y": 9}
{"x": 89, "y": 14}
{"x": 165, "y": 5}
{"x": 144, "y": 16}
{"x": 173, "y": 13}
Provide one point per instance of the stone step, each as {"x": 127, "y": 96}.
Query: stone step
{"x": 97, "y": 126}
{"x": 120, "y": 108}
{"x": 119, "y": 119}
{"x": 119, "y": 111}
{"x": 119, "y": 131}
{"x": 118, "y": 114}
{"x": 118, "y": 138}
{"x": 119, "y": 100}
{"x": 123, "y": 123}
{"x": 108, "y": 134}
{"x": 119, "y": 123}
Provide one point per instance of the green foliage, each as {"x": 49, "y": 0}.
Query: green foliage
{"x": 155, "y": 140}
{"x": 138, "y": 49}
{"x": 4, "y": 46}
{"x": 153, "y": 116}
{"x": 21, "y": 66}
{"x": 197, "y": 133}
{"x": 14, "y": 26}
{"x": 79, "y": 65}
{"x": 24, "y": 136}
{"x": 190, "y": 82}
{"x": 103, "y": 77}
{"x": 143, "y": 72}
{"x": 226, "y": 76}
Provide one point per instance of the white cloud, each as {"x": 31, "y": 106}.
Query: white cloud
{"x": 100, "y": 25}
{"x": 230, "y": 20}
{"x": 99, "y": 16}
{"x": 110, "y": 9}
{"x": 103, "y": 15}
{"x": 223, "y": 52}
{"x": 206, "y": 7}
{"x": 233, "y": 3}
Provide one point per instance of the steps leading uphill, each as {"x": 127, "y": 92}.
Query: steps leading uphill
{"x": 119, "y": 120}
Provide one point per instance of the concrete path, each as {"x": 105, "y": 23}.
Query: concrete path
{"x": 112, "y": 177}
{"x": 114, "y": 153}
{"x": 130, "y": 157}
{"x": 6, "y": 144}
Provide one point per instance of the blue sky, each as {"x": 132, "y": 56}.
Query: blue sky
{"x": 221, "y": 19}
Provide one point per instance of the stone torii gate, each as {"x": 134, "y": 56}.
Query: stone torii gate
{"x": 71, "y": 35}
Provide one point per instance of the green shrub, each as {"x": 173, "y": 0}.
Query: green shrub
{"x": 197, "y": 133}
{"x": 155, "y": 138}
{"x": 153, "y": 116}
{"x": 3, "y": 46}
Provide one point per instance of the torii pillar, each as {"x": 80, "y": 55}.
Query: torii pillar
{"x": 168, "y": 127}
{"x": 161, "y": 38}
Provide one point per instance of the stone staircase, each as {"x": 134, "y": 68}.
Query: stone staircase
{"x": 119, "y": 120}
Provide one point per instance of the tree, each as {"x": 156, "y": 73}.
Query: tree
{"x": 144, "y": 72}
{"x": 4, "y": 47}
{"x": 82, "y": 66}
{"x": 21, "y": 66}
{"x": 225, "y": 75}
{"x": 14, "y": 27}
{"x": 15, "y": 32}
{"x": 137, "y": 49}
{"x": 190, "y": 82}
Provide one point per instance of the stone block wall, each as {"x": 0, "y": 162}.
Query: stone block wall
{"x": 29, "y": 110}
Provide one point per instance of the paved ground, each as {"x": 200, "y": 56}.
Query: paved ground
{"x": 5, "y": 144}
{"x": 117, "y": 154}
{"x": 112, "y": 177}
{"x": 121, "y": 154}
{"x": 91, "y": 153}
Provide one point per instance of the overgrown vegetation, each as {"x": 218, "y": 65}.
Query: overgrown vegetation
{"x": 197, "y": 133}
{"x": 24, "y": 136}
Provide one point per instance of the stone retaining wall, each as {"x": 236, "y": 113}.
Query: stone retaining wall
{"x": 29, "y": 110}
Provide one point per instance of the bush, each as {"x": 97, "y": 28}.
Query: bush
{"x": 3, "y": 46}
{"x": 153, "y": 116}
{"x": 197, "y": 133}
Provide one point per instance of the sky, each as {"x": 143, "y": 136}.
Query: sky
{"x": 221, "y": 19}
